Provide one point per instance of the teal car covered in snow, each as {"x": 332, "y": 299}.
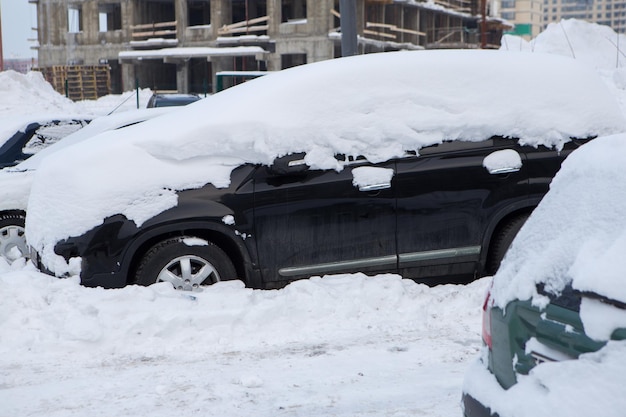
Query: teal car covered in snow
{"x": 554, "y": 319}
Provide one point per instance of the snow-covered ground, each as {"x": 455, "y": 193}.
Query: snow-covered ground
{"x": 344, "y": 345}
{"x": 340, "y": 346}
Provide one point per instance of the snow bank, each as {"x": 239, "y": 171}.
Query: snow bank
{"x": 345, "y": 346}
{"x": 598, "y": 46}
{"x": 30, "y": 93}
{"x": 40, "y": 312}
{"x": 594, "y": 44}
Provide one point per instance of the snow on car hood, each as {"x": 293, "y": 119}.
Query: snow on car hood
{"x": 376, "y": 105}
{"x": 577, "y": 234}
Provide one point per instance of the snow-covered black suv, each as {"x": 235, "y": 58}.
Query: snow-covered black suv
{"x": 443, "y": 217}
{"x": 424, "y": 164}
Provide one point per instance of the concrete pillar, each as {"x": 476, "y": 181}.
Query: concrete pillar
{"x": 221, "y": 14}
{"x": 128, "y": 19}
{"x": 57, "y": 21}
{"x": 42, "y": 27}
{"x": 274, "y": 13}
{"x": 91, "y": 22}
{"x": 128, "y": 77}
{"x": 182, "y": 76}
{"x": 319, "y": 17}
{"x": 182, "y": 19}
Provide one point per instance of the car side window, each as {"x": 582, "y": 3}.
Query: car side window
{"x": 458, "y": 145}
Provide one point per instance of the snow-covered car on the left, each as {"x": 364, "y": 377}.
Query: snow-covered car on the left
{"x": 22, "y": 137}
{"x": 22, "y": 153}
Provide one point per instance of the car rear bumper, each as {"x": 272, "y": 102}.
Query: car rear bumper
{"x": 474, "y": 408}
{"x": 481, "y": 391}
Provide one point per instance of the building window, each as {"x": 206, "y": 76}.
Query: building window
{"x": 293, "y": 10}
{"x": 74, "y": 18}
{"x": 249, "y": 17}
{"x": 292, "y": 60}
{"x": 110, "y": 17}
{"x": 199, "y": 12}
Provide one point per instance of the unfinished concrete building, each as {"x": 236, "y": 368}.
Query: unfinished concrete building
{"x": 181, "y": 45}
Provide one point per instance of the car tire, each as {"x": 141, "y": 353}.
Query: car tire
{"x": 187, "y": 262}
{"x": 12, "y": 238}
{"x": 502, "y": 240}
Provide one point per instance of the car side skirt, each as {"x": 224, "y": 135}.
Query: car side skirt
{"x": 389, "y": 262}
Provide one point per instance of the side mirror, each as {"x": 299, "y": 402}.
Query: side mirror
{"x": 504, "y": 161}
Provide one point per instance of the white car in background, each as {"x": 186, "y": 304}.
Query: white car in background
{"x": 15, "y": 181}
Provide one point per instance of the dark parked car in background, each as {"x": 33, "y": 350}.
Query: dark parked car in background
{"x": 171, "y": 99}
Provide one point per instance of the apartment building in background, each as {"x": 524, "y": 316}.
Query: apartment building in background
{"x": 605, "y": 12}
{"x": 526, "y": 15}
{"x": 20, "y": 64}
{"x": 182, "y": 45}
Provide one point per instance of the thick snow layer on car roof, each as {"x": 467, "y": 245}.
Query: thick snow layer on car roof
{"x": 577, "y": 233}
{"x": 376, "y": 105}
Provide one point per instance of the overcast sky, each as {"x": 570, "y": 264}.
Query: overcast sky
{"x": 18, "y": 17}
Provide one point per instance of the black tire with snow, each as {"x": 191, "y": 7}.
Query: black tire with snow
{"x": 185, "y": 263}
{"x": 502, "y": 240}
{"x": 12, "y": 239}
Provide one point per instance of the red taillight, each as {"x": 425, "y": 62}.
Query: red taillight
{"x": 487, "y": 318}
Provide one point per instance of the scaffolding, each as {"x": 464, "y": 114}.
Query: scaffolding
{"x": 79, "y": 82}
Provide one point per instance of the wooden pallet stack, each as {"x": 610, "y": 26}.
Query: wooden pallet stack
{"x": 84, "y": 82}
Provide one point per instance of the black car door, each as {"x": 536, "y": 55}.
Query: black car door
{"x": 314, "y": 222}
{"x": 446, "y": 200}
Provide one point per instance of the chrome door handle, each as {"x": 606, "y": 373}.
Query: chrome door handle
{"x": 505, "y": 170}
{"x": 374, "y": 187}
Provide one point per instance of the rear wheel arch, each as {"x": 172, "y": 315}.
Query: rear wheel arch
{"x": 501, "y": 238}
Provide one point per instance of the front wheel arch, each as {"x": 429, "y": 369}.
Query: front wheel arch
{"x": 233, "y": 246}
{"x": 187, "y": 262}
{"x": 12, "y": 235}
